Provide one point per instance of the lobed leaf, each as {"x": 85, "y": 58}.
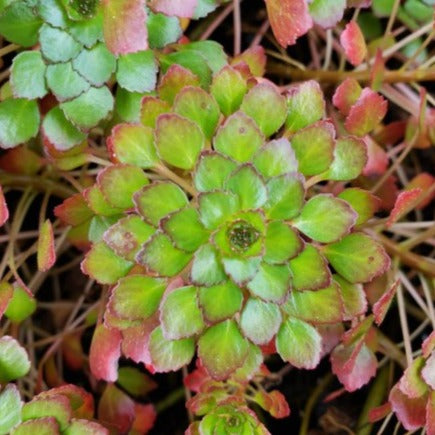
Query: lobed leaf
{"x": 353, "y": 298}
{"x": 57, "y": 45}
{"x": 151, "y": 109}
{"x": 216, "y": 207}
{"x": 289, "y": 19}
{"x": 357, "y": 257}
{"x": 299, "y": 343}
{"x": 79, "y": 427}
{"x": 327, "y": 13}
{"x": 346, "y": 95}
{"x": 206, "y": 267}
{"x": 14, "y": 362}
{"x": 281, "y": 243}
{"x": 382, "y": 305}
{"x": 362, "y": 201}
{"x": 405, "y": 202}
{"x": 353, "y": 43}
{"x": 180, "y": 8}
{"x": 28, "y": 75}
{"x": 74, "y": 210}
{"x": 222, "y": 349}
{"x": 175, "y": 79}
{"x": 46, "y": 254}
{"x": 178, "y": 140}
{"x": 41, "y": 426}
{"x": 411, "y": 383}
{"x": 10, "y": 408}
{"x": 163, "y": 30}
{"x": 241, "y": 270}
{"x": 124, "y": 25}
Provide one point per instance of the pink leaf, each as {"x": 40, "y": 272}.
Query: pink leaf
{"x": 366, "y": 113}
{"x": 179, "y": 8}
{"x": 430, "y": 414}
{"x": 289, "y": 19}
{"x": 346, "y": 95}
{"x": 279, "y": 406}
{"x": 46, "y": 254}
{"x": 353, "y": 365}
{"x": 428, "y": 345}
{"x": 145, "y": 416}
{"x": 381, "y": 307}
{"x": 423, "y": 181}
{"x": 428, "y": 372}
{"x": 404, "y": 203}
{"x": 124, "y": 26}
{"x": 377, "y": 162}
{"x": 4, "y": 212}
{"x": 410, "y": 412}
{"x": 380, "y": 412}
{"x": 104, "y": 353}
{"x": 352, "y": 40}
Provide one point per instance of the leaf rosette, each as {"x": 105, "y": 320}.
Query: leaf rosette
{"x": 213, "y": 233}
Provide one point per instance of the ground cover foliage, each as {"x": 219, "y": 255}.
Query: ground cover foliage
{"x": 217, "y": 217}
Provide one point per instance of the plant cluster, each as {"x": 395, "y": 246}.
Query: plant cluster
{"x": 176, "y": 209}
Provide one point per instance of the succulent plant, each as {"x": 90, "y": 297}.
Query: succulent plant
{"x": 209, "y": 228}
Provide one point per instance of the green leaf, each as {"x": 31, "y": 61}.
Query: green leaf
{"x": 271, "y": 282}
{"x": 10, "y": 408}
{"x": 306, "y": 105}
{"x": 211, "y": 171}
{"x": 19, "y": 24}
{"x": 96, "y": 65}
{"x": 353, "y": 297}
{"x": 162, "y": 30}
{"x": 197, "y": 105}
{"x": 314, "y": 147}
{"x": 325, "y": 218}
{"x": 211, "y": 51}
{"x": 137, "y": 297}
{"x": 133, "y": 144}
{"x": 185, "y": 229}
{"x": 151, "y": 109}
{"x": 14, "y": 362}
{"x": 310, "y": 270}
{"x": 246, "y": 183}
{"x": 358, "y": 258}
{"x": 264, "y": 104}
{"x": 350, "y": 157}
{"x": 102, "y": 264}
{"x": 178, "y": 140}
{"x": 251, "y": 365}
{"x": 238, "y": 138}
{"x": 241, "y": 270}
{"x": 88, "y": 32}
{"x": 363, "y": 202}
{"x": 326, "y": 13}
{"x": 128, "y": 104}
{"x": 137, "y": 72}
{"x": 222, "y": 349}
{"x": 221, "y": 301}
{"x": 61, "y": 133}
{"x": 260, "y": 320}
{"x": 41, "y": 426}
{"x": 53, "y": 13}
{"x": 216, "y": 207}
{"x": 175, "y": 78}
{"x": 98, "y": 225}
{"x": 20, "y": 306}
{"x": 118, "y": 183}
{"x": 65, "y": 82}
{"x": 27, "y": 75}
{"x": 128, "y": 235}
{"x": 162, "y": 257}
{"x": 228, "y": 88}
{"x": 319, "y": 306}
{"x": 169, "y": 355}
{"x": 276, "y": 158}
{"x": 180, "y": 315}
{"x": 56, "y": 406}
{"x": 57, "y": 45}
{"x": 81, "y": 426}
{"x": 21, "y": 117}
{"x": 282, "y": 243}
{"x": 158, "y": 200}
{"x": 134, "y": 382}
{"x": 286, "y": 196}
{"x": 207, "y": 268}
{"x": 299, "y": 343}
{"x": 91, "y": 107}
{"x": 98, "y": 203}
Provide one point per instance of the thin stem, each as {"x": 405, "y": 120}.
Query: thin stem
{"x": 217, "y": 22}
{"x": 165, "y": 172}
{"x": 8, "y": 49}
{"x": 392, "y": 18}
{"x": 328, "y": 51}
{"x": 237, "y": 28}
{"x": 404, "y": 325}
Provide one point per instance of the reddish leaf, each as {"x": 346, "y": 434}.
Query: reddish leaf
{"x": 195, "y": 380}
{"x": 289, "y": 19}
{"x": 428, "y": 372}
{"x": 381, "y": 307}
{"x": 377, "y": 72}
{"x": 116, "y": 410}
{"x": 279, "y": 406}
{"x": 104, "y": 353}
{"x": 366, "y": 113}
{"x": 353, "y": 365}
{"x": 179, "y": 8}
{"x": 4, "y": 212}
{"x": 254, "y": 58}
{"x": 145, "y": 416}
{"x": 404, "y": 204}
{"x": 74, "y": 210}
{"x": 428, "y": 345}
{"x": 380, "y": 412}
{"x": 346, "y": 95}
{"x": 352, "y": 40}
{"x": 124, "y": 26}
{"x": 21, "y": 160}
{"x": 422, "y": 181}
{"x": 6, "y": 293}
{"x": 410, "y": 412}
{"x": 430, "y": 414}
{"x": 377, "y": 159}
{"x": 46, "y": 254}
